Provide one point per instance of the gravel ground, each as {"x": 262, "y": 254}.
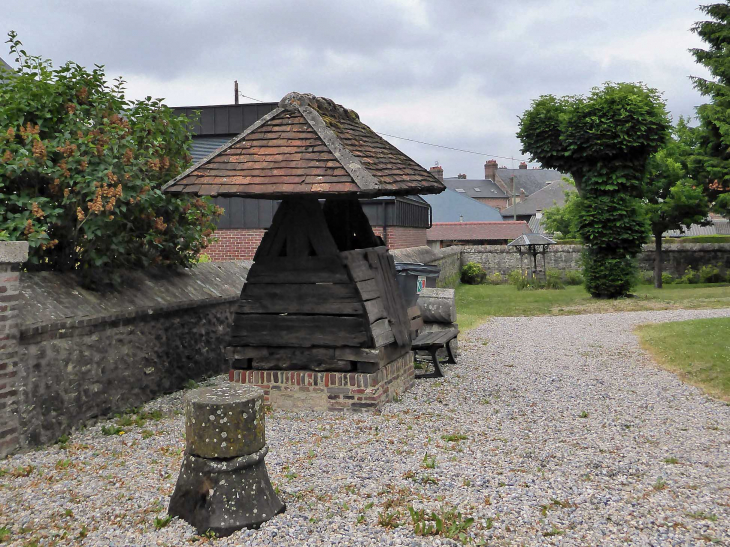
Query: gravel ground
{"x": 569, "y": 436}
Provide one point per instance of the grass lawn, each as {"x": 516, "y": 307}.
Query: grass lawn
{"x": 698, "y": 351}
{"x": 476, "y": 303}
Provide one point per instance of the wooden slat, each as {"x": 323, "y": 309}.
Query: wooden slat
{"x": 319, "y": 234}
{"x": 312, "y": 269}
{"x": 375, "y": 310}
{"x": 264, "y": 248}
{"x": 368, "y": 289}
{"x": 359, "y": 354}
{"x": 297, "y": 330}
{"x": 382, "y": 333}
{"x": 357, "y": 264}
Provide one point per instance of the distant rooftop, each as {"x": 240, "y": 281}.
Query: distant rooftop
{"x": 529, "y": 180}
{"x": 551, "y": 195}
{"x": 474, "y": 188}
{"x": 452, "y": 206}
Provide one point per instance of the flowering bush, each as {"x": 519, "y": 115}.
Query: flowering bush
{"x": 81, "y": 172}
{"x": 473, "y": 274}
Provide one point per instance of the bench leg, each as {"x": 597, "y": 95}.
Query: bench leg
{"x": 451, "y": 359}
{"x": 437, "y": 372}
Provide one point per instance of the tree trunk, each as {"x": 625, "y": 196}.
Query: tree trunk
{"x": 658, "y": 261}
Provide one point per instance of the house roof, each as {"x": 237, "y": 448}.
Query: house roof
{"x": 551, "y": 195}
{"x": 476, "y": 231}
{"x": 475, "y": 188}
{"x": 529, "y": 180}
{"x": 307, "y": 146}
{"x": 451, "y": 206}
{"x": 718, "y": 227}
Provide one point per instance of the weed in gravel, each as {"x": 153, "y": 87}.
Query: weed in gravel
{"x": 62, "y": 442}
{"x": 111, "y": 430}
{"x": 83, "y": 532}
{"x": 584, "y": 414}
{"x": 660, "y": 484}
{"x": 146, "y": 434}
{"x": 449, "y": 523}
{"x": 701, "y": 515}
{"x": 454, "y": 437}
{"x": 191, "y": 384}
{"x": 4, "y": 534}
{"x": 390, "y": 519}
{"x": 429, "y": 462}
{"x": 671, "y": 460}
{"x": 63, "y": 464}
{"x": 18, "y": 472}
{"x": 161, "y": 522}
{"x": 553, "y": 532}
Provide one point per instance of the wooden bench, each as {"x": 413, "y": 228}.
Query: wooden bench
{"x": 432, "y": 342}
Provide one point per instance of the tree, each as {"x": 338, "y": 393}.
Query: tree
{"x": 81, "y": 171}
{"x": 563, "y": 219}
{"x": 672, "y": 200}
{"x": 711, "y": 165}
{"x": 604, "y": 141}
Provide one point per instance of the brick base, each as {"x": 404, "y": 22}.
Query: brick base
{"x": 336, "y": 391}
{"x": 234, "y": 244}
{"x": 400, "y": 237}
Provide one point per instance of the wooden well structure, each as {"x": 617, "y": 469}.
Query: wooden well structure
{"x": 321, "y": 294}
{"x": 531, "y": 246}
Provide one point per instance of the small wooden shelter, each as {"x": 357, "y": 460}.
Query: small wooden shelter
{"x": 322, "y": 292}
{"x": 530, "y": 246}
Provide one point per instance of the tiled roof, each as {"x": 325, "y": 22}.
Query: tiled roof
{"x": 551, "y": 195}
{"x": 529, "y": 180}
{"x": 466, "y": 231}
{"x": 475, "y": 188}
{"x": 307, "y": 146}
{"x": 718, "y": 227}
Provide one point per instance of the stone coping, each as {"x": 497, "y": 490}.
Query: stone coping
{"x": 52, "y": 301}
{"x": 13, "y": 252}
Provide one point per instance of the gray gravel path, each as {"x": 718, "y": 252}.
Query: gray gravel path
{"x": 568, "y": 437}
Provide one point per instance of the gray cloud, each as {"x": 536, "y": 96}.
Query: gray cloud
{"x": 451, "y": 72}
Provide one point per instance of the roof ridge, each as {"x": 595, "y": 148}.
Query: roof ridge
{"x": 361, "y": 176}
{"x": 459, "y": 223}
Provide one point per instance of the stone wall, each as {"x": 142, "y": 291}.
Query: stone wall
{"x": 677, "y": 257}
{"x": 84, "y": 354}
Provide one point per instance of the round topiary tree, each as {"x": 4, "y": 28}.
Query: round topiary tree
{"x": 604, "y": 141}
{"x": 81, "y": 171}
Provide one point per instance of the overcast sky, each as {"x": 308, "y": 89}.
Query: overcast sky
{"x": 451, "y": 72}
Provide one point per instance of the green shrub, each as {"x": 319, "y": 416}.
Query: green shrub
{"x": 646, "y": 277}
{"x": 473, "y": 274}
{"x": 514, "y": 277}
{"x": 608, "y": 275}
{"x": 667, "y": 279}
{"x": 710, "y": 274}
{"x": 554, "y": 280}
{"x": 495, "y": 279}
{"x": 82, "y": 170}
{"x": 690, "y": 277}
{"x": 573, "y": 277}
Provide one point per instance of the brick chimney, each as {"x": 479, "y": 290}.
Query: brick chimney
{"x": 523, "y": 165}
{"x": 490, "y": 170}
{"x": 462, "y": 176}
{"x": 438, "y": 172}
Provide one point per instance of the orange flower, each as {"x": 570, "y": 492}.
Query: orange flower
{"x": 80, "y": 213}
{"x": 39, "y": 150}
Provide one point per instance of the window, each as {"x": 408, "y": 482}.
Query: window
{"x": 477, "y": 189}
{"x": 460, "y": 190}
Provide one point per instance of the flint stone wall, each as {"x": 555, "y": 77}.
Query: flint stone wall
{"x": 676, "y": 257}
{"x": 86, "y": 354}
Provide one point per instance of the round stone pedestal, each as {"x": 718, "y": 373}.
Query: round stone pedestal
{"x": 223, "y": 484}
